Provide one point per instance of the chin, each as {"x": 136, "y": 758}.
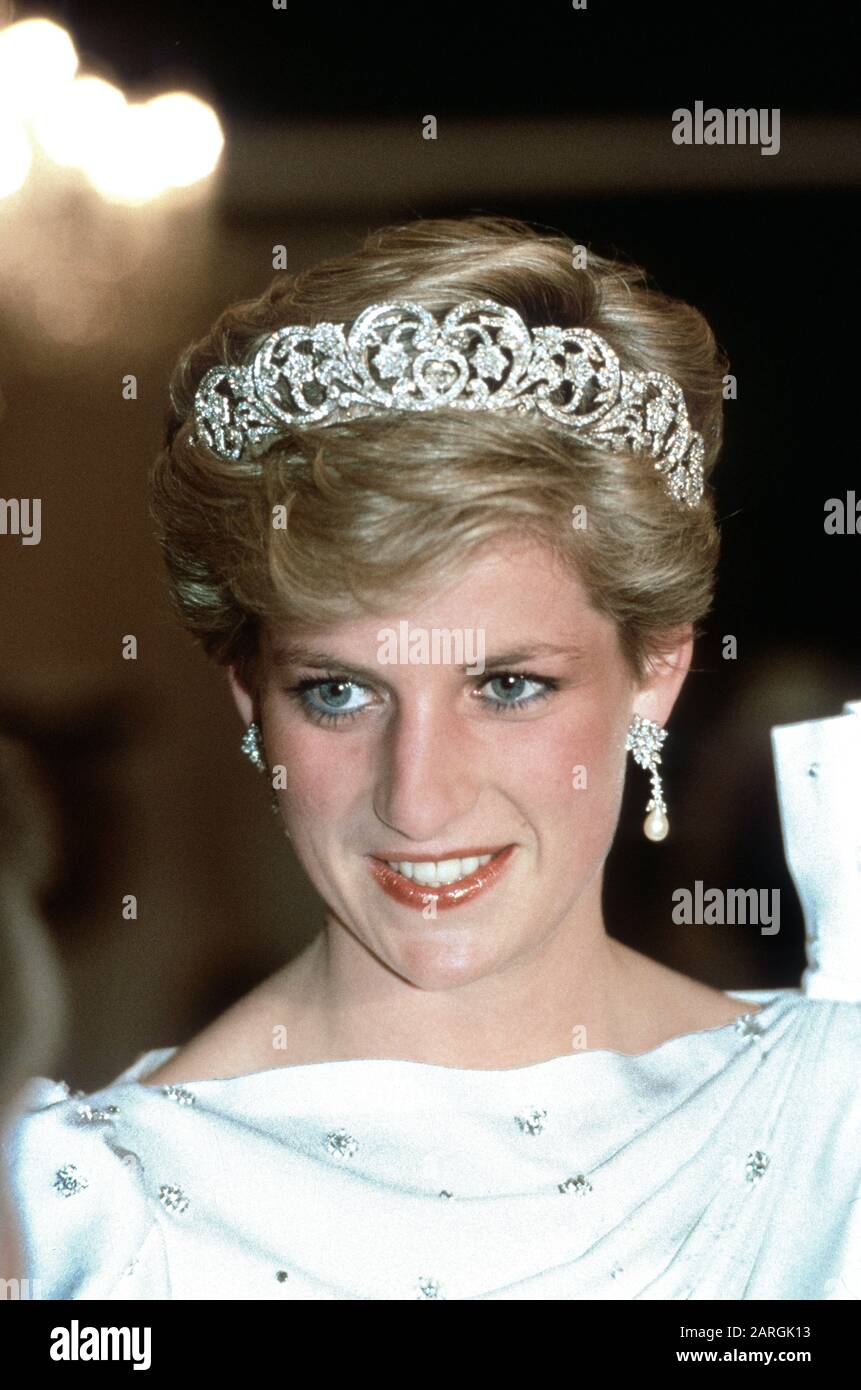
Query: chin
{"x": 440, "y": 957}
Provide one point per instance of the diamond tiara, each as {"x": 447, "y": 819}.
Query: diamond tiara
{"x": 480, "y": 356}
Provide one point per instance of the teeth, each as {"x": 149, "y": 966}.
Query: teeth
{"x": 437, "y": 873}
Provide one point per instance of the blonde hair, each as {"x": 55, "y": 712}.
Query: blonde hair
{"x": 378, "y": 506}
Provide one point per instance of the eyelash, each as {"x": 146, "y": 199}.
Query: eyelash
{"x": 300, "y": 691}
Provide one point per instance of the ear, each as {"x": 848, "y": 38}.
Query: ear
{"x": 658, "y": 693}
{"x": 243, "y": 697}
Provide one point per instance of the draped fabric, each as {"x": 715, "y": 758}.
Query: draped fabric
{"x": 723, "y": 1164}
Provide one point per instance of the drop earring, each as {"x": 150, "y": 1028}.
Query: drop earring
{"x": 250, "y": 746}
{"x": 644, "y": 740}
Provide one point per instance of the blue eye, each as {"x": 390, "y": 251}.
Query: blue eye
{"x": 335, "y": 699}
{"x": 512, "y": 686}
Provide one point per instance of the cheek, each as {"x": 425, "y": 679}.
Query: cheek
{"x": 324, "y": 771}
{"x": 568, "y": 783}
{"x": 574, "y": 767}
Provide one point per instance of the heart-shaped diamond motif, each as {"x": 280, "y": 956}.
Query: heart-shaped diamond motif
{"x": 440, "y": 377}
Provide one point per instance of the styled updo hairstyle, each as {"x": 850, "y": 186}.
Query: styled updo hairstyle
{"x": 377, "y": 507}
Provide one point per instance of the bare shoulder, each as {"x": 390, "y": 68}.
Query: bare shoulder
{"x": 673, "y": 1004}
{"x": 210, "y": 1053}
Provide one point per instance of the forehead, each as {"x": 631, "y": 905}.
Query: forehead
{"x": 518, "y": 594}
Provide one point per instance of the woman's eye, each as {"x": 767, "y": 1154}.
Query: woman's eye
{"x": 332, "y": 699}
{"x": 512, "y": 690}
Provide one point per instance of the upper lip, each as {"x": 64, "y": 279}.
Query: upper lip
{"x": 407, "y": 856}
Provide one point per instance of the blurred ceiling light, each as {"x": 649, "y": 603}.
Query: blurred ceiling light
{"x": 16, "y": 155}
{"x": 72, "y": 121}
{"x": 129, "y": 152}
{"x": 120, "y": 164}
{"x": 187, "y": 136}
{"x": 168, "y": 142}
{"x": 36, "y": 58}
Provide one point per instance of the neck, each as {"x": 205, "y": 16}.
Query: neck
{"x": 573, "y": 989}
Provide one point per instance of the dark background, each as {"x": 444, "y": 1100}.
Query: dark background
{"x": 481, "y": 59}
{"x": 558, "y": 116}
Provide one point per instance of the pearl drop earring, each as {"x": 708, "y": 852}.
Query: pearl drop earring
{"x": 644, "y": 740}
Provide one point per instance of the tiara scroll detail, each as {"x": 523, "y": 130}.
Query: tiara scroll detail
{"x": 481, "y": 356}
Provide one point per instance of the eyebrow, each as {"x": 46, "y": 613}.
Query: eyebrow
{"x": 290, "y": 654}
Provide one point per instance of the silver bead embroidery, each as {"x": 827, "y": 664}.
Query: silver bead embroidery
{"x": 68, "y": 1181}
{"x": 430, "y": 1288}
{"x": 445, "y": 1193}
{"x": 341, "y": 1144}
{"x": 580, "y": 1185}
{"x": 757, "y": 1162}
{"x": 747, "y": 1027}
{"x": 179, "y": 1094}
{"x": 531, "y": 1121}
{"x": 88, "y": 1115}
{"x": 173, "y": 1197}
{"x": 282, "y": 1276}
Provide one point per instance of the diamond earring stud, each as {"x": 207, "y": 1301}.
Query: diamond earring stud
{"x": 251, "y": 747}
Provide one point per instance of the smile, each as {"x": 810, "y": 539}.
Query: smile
{"x": 447, "y": 882}
{"x": 435, "y": 872}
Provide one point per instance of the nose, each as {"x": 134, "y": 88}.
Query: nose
{"x": 429, "y": 777}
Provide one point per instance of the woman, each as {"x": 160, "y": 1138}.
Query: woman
{"x": 440, "y": 509}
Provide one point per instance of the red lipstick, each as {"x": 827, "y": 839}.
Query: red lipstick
{"x": 418, "y": 895}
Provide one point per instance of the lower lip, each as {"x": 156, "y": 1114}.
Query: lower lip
{"x": 419, "y": 895}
